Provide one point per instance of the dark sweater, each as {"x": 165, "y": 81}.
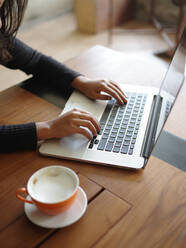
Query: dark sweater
{"x": 24, "y": 136}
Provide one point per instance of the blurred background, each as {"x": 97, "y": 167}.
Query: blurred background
{"x": 65, "y": 28}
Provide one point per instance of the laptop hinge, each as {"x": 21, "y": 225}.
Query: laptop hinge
{"x": 152, "y": 125}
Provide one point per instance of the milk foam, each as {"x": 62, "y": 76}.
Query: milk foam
{"x": 52, "y": 186}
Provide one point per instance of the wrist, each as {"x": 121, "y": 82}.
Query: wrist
{"x": 43, "y": 131}
{"x": 79, "y": 81}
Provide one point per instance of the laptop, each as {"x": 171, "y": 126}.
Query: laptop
{"x": 128, "y": 132}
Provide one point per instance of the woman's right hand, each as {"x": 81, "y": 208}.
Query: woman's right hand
{"x": 74, "y": 121}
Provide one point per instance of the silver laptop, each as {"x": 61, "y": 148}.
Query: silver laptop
{"x": 128, "y": 132}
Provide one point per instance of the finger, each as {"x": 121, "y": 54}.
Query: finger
{"x": 114, "y": 86}
{"x": 88, "y": 116}
{"x": 118, "y": 92}
{"x": 83, "y": 131}
{"x": 117, "y": 86}
{"x": 78, "y": 111}
{"x": 100, "y": 96}
{"x": 87, "y": 124}
{"x": 113, "y": 93}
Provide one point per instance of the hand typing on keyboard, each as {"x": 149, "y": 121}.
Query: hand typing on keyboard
{"x": 96, "y": 89}
{"x": 75, "y": 121}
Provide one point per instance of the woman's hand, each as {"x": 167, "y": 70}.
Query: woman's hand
{"x": 94, "y": 88}
{"x": 74, "y": 121}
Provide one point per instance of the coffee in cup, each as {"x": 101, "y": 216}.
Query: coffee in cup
{"x": 52, "y": 189}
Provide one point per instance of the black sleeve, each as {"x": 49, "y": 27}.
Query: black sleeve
{"x": 18, "y": 137}
{"x": 39, "y": 65}
{"x": 48, "y": 70}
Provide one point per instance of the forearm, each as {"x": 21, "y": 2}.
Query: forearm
{"x": 39, "y": 65}
{"x": 18, "y": 137}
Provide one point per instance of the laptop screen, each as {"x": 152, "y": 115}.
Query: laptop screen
{"x": 169, "y": 147}
{"x": 169, "y": 89}
{"x": 175, "y": 74}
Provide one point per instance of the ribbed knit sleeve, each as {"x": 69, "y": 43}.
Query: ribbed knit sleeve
{"x": 18, "y": 137}
{"x": 47, "y": 70}
{"x": 39, "y": 65}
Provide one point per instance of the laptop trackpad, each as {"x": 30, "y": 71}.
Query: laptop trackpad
{"x": 74, "y": 143}
{"x": 171, "y": 149}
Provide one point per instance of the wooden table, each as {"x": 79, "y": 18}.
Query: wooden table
{"x": 145, "y": 208}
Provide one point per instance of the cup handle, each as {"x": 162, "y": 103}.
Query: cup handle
{"x": 22, "y": 190}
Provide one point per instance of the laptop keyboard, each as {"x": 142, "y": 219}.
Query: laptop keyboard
{"x": 168, "y": 108}
{"x": 120, "y": 125}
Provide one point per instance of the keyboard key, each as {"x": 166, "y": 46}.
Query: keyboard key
{"x": 90, "y": 145}
{"x": 122, "y": 129}
{"x": 106, "y": 132}
{"x": 117, "y": 122}
{"x": 119, "y": 139}
{"x": 119, "y": 119}
{"x": 124, "y": 149}
{"x": 124, "y": 122}
{"x": 133, "y": 141}
{"x": 130, "y": 151}
{"x": 105, "y": 136}
{"x": 133, "y": 119}
{"x": 132, "y": 146}
{"x": 118, "y": 144}
{"x": 132, "y": 122}
{"x": 128, "y": 111}
{"x": 134, "y": 136}
{"x": 127, "y": 139}
{"x": 130, "y": 129}
{"x": 121, "y": 132}
{"x": 110, "y": 123}
{"x": 114, "y": 131}
{"x": 126, "y": 142}
{"x": 109, "y": 147}
{"x": 137, "y": 127}
{"x": 102, "y": 123}
{"x": 111, "y": 140}
{"x": 129, "y": 135}
{"x": 135, "y": 111}
{"x": 116, "y": 149}
{"x": 102, "y": 144}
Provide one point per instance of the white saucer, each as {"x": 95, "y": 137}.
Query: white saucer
{"x": 70, "y": 216}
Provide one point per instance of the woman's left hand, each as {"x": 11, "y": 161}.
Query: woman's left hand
{"x": 94, "y": 89}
